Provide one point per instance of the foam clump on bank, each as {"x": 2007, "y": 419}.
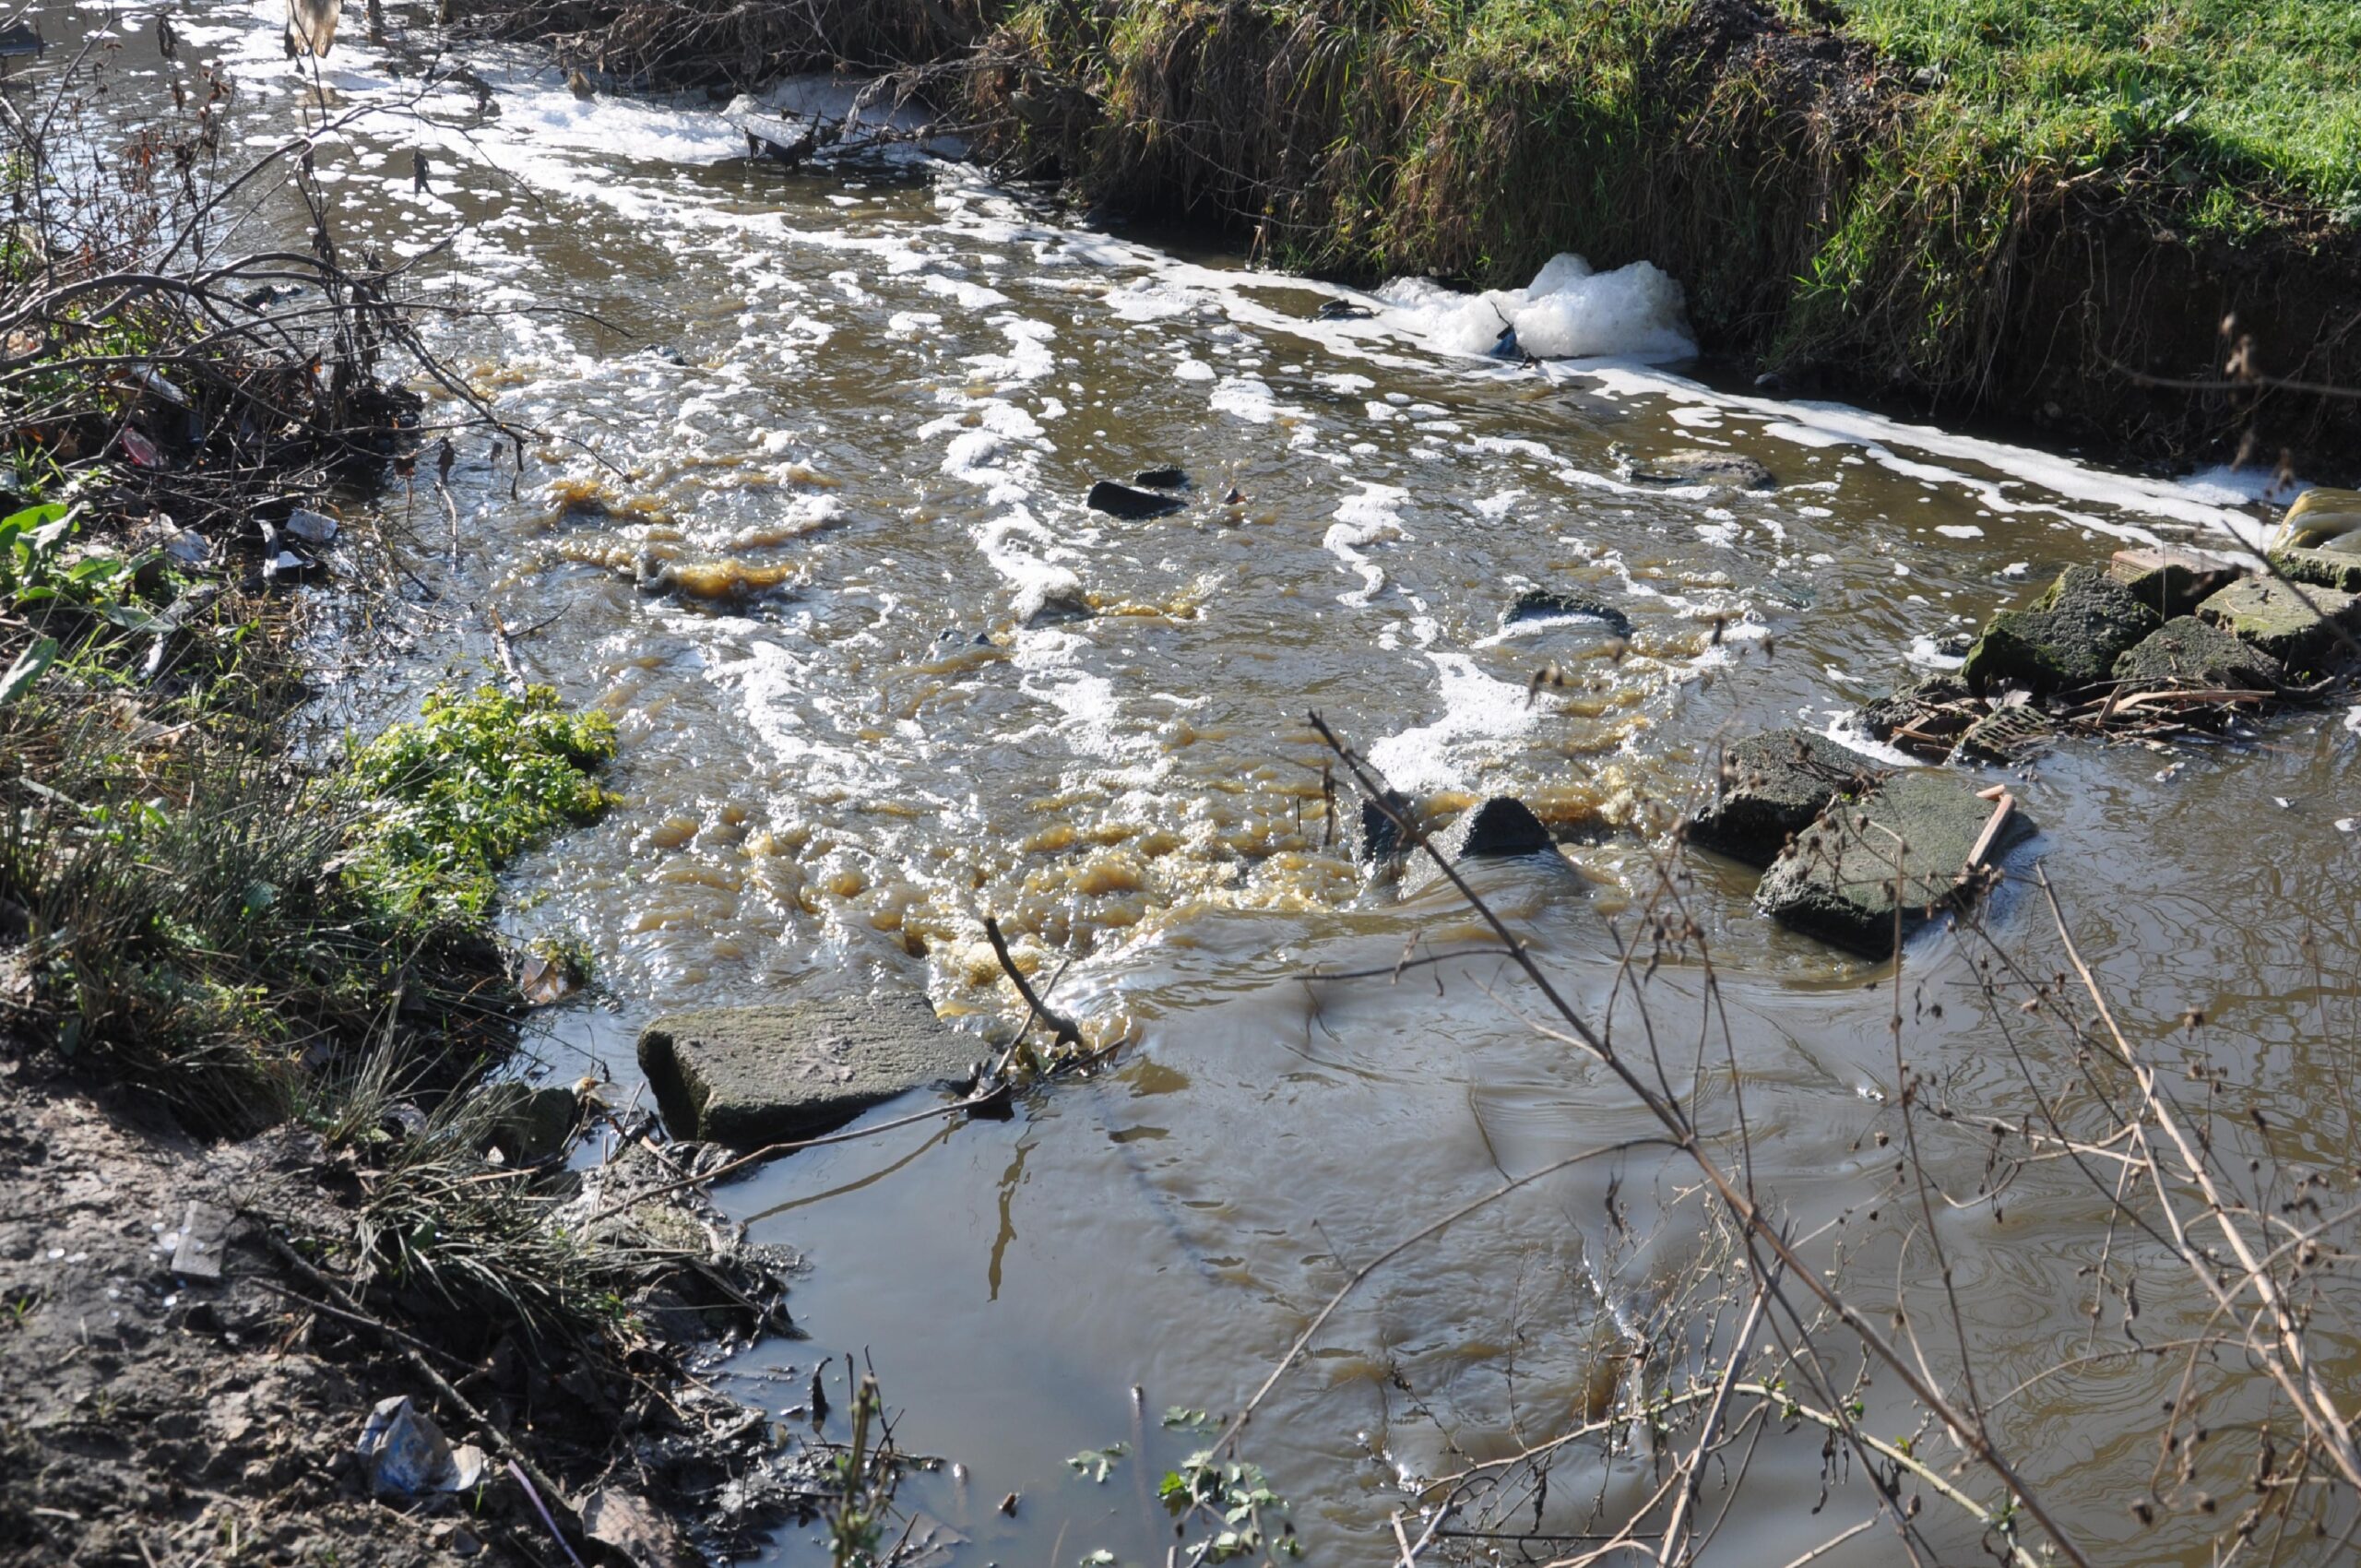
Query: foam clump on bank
{"x": 1567, "y": 312}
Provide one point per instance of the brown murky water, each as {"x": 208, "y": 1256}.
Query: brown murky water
{"x": 810, "y": 474}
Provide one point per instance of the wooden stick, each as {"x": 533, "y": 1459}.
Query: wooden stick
{"x": 2001, "y": 807}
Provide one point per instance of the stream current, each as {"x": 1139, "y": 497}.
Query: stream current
{"x": 894, "y": 677}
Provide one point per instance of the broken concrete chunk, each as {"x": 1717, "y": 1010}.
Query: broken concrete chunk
{"x": 2321, "y": 568}
{"x": 205, "y": 1238}
{"x": 530, "y": 1125}
{"x": 750, "y": 1076}
{"x": 1545, "y": 604}
{"x": 626, "y": 1523}
{"x": 2071, "y": 637}
{"x": 2191, "y": 653}
{"x": 1926, "y": 717}
{"x": 1895, "y": 856}
{"x": 1774, "y": 786}
{"x": 2297, "y": 627}
{"x": 2173, "y": 582}
{"x": 1500, "y": 828}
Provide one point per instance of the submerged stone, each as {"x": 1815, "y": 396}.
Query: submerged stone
{"x": 1500, "y": 828}
{"x": 1551, "y": 604}
{"x": 2186, "y": 651}
{"x": 2173, "y": 582}
{"x": 1774, "y": 786}
{"x": 2071, "y": 637}
{"x": 1123, "y": 501}
{"x": 1892, "y": 859}
{"x": 2322, "y": 518}
{"x": 1698, "y": 466}
{"x": 751, "y": 1076}
{"x": 2297, "y": 627}
{"x": 1170, "y": 477}
{"x": 2321, "y": 568}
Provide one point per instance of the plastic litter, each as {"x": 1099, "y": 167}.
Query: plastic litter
{"x": 403, "y": 1453}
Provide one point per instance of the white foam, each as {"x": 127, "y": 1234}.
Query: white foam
{"x": 1567, "y": 312}
{"x": 1363, "y": 520}
{"x": 1476, "y": 708}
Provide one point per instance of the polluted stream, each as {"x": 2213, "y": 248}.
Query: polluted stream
{"x": 808, "y": 519}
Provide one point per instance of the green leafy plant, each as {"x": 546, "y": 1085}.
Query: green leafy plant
{"x": 1236, "y": 1495}
{"x": 477, "y": 779}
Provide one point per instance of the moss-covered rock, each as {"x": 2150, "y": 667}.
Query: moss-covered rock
{"x": 2186, "y": 651}
{"x": 2320, "y": 568}
{"x": 2071, "y": 637}
{"x": 1774, "y": 786}
{"x": 2299, "y": 626}
{"x": 2173, "y": 582}
{"x": 1892, "y": 859}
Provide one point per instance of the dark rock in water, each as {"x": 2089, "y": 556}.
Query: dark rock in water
{"x": 1342, "y": 310}
{"x": 2186, "y": 651}
{"x": 1839, "y": 880}
{"x": 2298, "y": 626}
{"x": 1369, "y": 836}
{"x": 1697, "y": 465}
{"x": 2007, "y": 734}
{"x": 1170, "y": 477}
{"x": 1059, "y": 604}
{"x": 1774, "y": 786}
{"x": 2173, "y": 582}
{"x": 2071, "y": 637}
{"x": 1547, "y": 604}
{"x": 1500, "y": 828}
{"x": 752, "y": 1075}
{"x": 2320, "y": 568}
{"x": 1123, "y": 501}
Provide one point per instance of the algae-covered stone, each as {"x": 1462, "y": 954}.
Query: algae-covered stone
{"x": 2298, "y": 626}
{"x": 2071, "y": 637}
{"x": 1500, "y": 828}
{"x": 1897, "y": 854}
{"x": 749, "y": 1076}
{"x": 1693, "y": 465}
{"x": 2173, "y": 582}
{"x": 2337, "y": 569}
{"x": 1774, "y": 786}
{"x": 2186, "y": 651}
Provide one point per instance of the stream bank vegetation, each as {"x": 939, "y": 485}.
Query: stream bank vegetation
{"x": 256, "y": 992}
{"x": 2218, "y": 1330}
{"x": 2137, "y": 224}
